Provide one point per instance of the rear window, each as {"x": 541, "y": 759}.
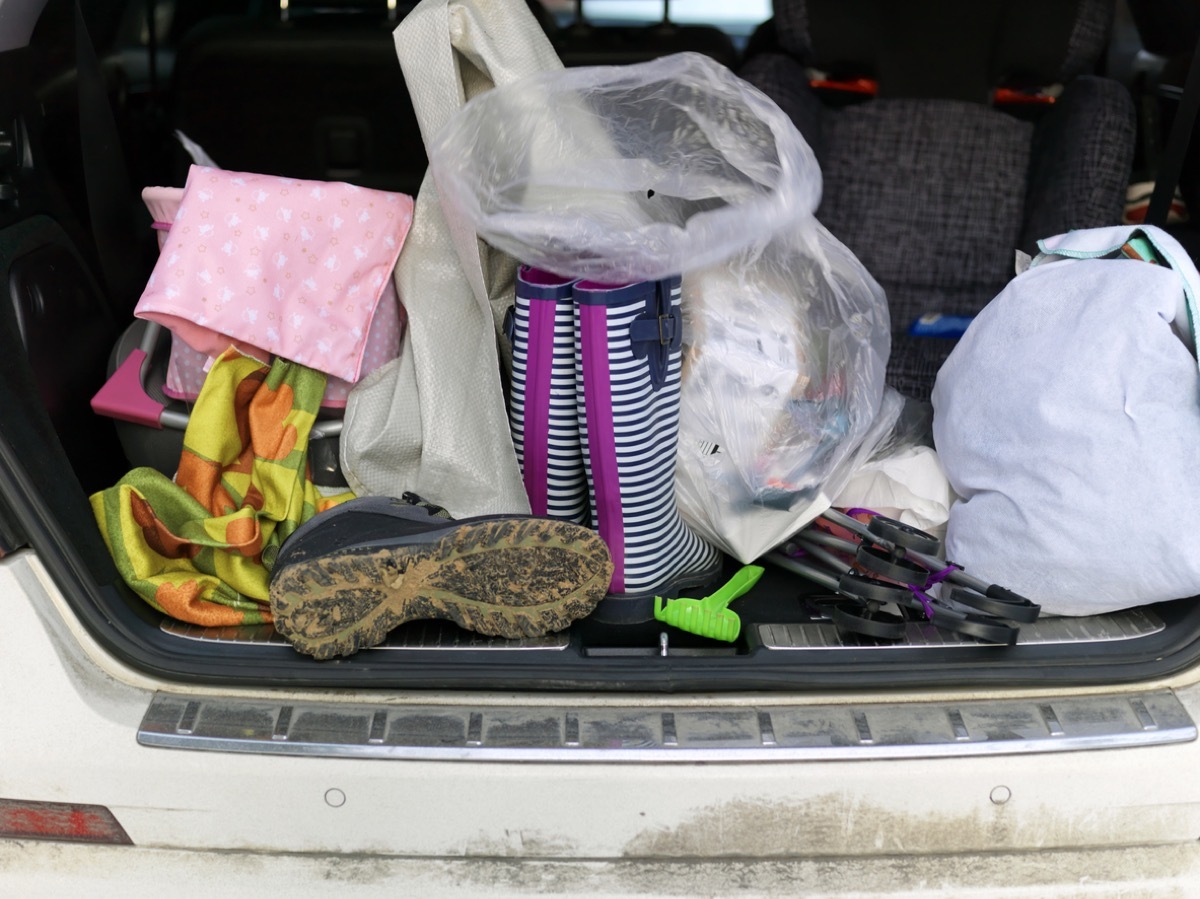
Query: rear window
{"x": 736, "y": 19}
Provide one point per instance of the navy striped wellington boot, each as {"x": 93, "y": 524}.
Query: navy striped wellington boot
{"x": 545, "y": 431}
{"x": 628, "y": 359}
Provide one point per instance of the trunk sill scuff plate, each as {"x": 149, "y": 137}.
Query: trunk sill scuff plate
{"x": 1129, "y": 624}
{"x": 560, "y": 733}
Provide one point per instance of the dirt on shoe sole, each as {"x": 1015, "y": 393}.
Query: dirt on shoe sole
{"x": 509, "y": 578}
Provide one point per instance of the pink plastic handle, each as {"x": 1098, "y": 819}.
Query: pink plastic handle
{"x": 123, "y": 397}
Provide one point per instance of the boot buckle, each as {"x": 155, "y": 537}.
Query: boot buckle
{"x": 666, "y": 330}
{"x": 658, "y": 332}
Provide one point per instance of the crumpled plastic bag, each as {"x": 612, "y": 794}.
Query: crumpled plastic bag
{"x": 677, "y": 166}
{"x": 783, "y": 382}
{"x": 903, "y": 477}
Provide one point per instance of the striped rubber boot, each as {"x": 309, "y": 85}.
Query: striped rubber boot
{"x": 628, "y": 340}
{"x": 545, "y": 432}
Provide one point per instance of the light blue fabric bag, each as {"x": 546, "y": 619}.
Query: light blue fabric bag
{"x": 1068, "y": 421}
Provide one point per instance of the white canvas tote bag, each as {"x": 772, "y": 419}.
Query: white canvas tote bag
{"x": 433, "y": 420}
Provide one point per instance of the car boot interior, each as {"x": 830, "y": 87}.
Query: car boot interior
{"x": 316, "y": 93}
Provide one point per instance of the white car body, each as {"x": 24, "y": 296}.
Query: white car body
{"x": 955, "y": 818}
{"x": 921, "y": 791}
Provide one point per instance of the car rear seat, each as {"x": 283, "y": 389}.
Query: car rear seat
{"x": 315, "y": 93}
{"x": 929, "y": 180}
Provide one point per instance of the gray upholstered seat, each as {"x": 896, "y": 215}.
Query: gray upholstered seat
{"x": 931, "y": 182}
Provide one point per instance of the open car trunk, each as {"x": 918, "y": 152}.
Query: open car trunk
{"x": 787, "y": 640}
{"x": 57, "y": 328}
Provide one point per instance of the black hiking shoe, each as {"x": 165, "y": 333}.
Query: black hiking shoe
{"x": 348, "y": 576}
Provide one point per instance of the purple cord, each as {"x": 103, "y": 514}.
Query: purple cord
{"x": 858, "y": 511}
{"x": 935, "y": 578}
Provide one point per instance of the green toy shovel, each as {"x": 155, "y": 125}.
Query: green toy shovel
{"x": 709, "y": 617}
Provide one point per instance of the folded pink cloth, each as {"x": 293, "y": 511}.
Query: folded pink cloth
{"x": 279, "y": 266}
{"x": 186, "y": 368}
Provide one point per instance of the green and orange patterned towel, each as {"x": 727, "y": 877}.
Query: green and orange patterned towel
{"x": 200, "y": 548}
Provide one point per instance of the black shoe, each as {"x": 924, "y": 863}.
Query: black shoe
{"x": 348, "y": 576}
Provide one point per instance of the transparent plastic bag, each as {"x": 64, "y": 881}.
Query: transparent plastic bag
{"x": 782, "y": 388}
{"x": 626, "y": 173}
{"x": 677, "y": 166}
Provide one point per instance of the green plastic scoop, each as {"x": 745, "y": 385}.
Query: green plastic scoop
{"x": 709, "y": 617}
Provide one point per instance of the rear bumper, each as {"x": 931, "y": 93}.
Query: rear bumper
{"x": 41, "y": 869}
{"x": 943, "y": 823}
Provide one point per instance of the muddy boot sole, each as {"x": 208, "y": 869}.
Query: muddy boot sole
{"x": 509, "y": 578}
